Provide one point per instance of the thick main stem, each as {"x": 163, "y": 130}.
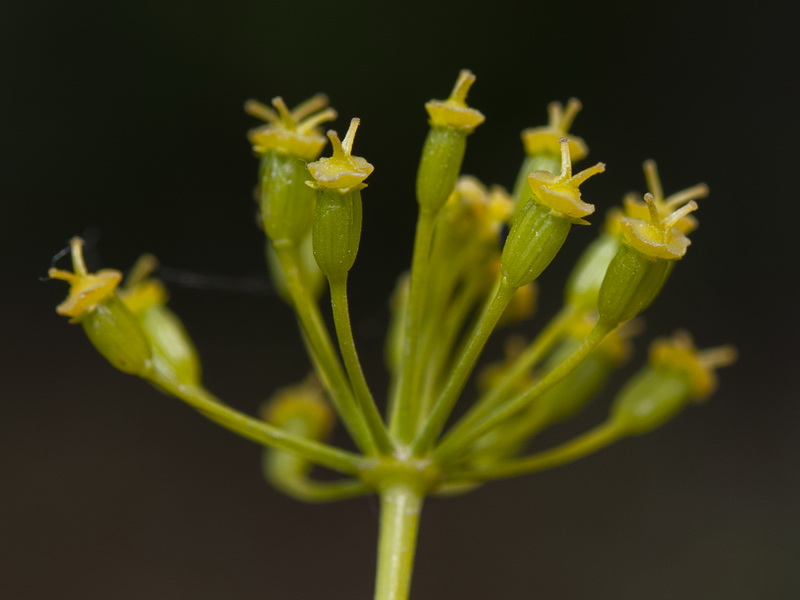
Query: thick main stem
{"x": 401, "y": 505}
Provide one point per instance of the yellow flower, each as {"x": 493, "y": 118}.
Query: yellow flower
{"x": 110, "y": 326}
{"x": 658, "y": 237}
{"x": 293, "y": 132}
{"x": 561, "y": 192}
{"x": 454, "y": 111}
{"x": 637, "y": 209}
{"x": 547, "y": 139}
{"x": 87, "y": 290}
{"x": 342, "y": 171}
{"x": 680, "y": 354}
{"x": 482, "y": 211}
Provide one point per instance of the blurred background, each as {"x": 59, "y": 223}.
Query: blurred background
{"x": 123, "y": 122}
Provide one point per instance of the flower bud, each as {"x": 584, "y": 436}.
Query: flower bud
{"x": 342, "y": 172}
{"x": 470, "y": 224}
{"x": 336, "y": 232}
{"x": 174, "y": 353}
{"x": 546, "y": 141}
{"x": 541, "y": 227}
{"x": 286, "y": 202}
{"x": 302, "y": 411}
{"x": 109, "y": 325}
{"x": 632, "y": 281}
{"x": 650, "y": 399}
{"x": 542, "y": 146}
{"x": 451, "y": 121}
{"x": 642, "y": 264}
{"x": 285, "y": 144}
{"x": 679, "y": 356}
{"x": 294, "y": 133}
{"x": 635, "y": 208}
{"x": 534, "y": 240}
{"x": 677, "y": 373}
{"x": 465, "y": 251}
{"x": 336, "y": 227}
{"x": 116, "y": 334}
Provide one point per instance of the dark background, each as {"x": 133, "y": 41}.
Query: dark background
{"x": 122, "y": 121}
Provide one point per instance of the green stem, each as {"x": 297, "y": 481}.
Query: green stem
{"x": 347, "y": 345}
{"x": 522, "y": 365}
{"x": 592, "y": 441}
{"x": 447, "y": 271}
{"x": 325, "y": 357}
{"x": 507, "y": 439}
{"x": 444, "y": 403}
{"x": 289, "y": 473}
{"x": 315, "y": 492}
{"x": 401, "y": 505}
{"x": 459, "y": 440}
{"x": 405, "y": 403}
{"x": 440, "y": 353}
{"x": 259, "y": 431}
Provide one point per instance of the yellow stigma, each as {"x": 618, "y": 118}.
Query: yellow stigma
{"x": 342, "y": 171}
{"x": 547, "y": 140}
{"x": 637, "y": 209}
{"x": 294, "y": 132}
{"x": 562, "y": 192}
{"x": 87, "y": 290}
{"x": 658, "y": 237}
{"x": 454, "y": 111}
{"x": 679, "y": 353}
